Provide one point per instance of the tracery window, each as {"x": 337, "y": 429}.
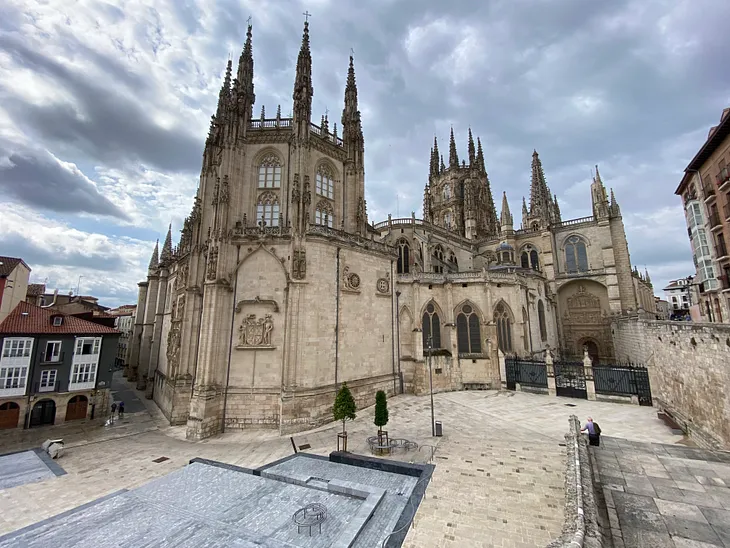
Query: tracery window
{"x": 270, "y": 172}
{"x": 503, "y": 319}
{"x": 267, "y": 209}
{"x": 323, "y": 214}
{"x": 529, "y": 258}
{"x": 534, "y": 261}
{"x": 576, "y": 257}
{"x": 431, "y": 327}
{"x": 452, "y": 259}
{"x": 468, "y": 334}
{"x": 404, "y": 256}
{"x": 325, "y": 182}
{"x": 541, "y": 318}
{"x": 438, "y": 259}
{"x": 525, "y": 260}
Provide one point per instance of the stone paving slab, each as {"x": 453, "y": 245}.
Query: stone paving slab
{"x": 488, "y": 435}
{"x": 664, "y": 495}
{"x": 22, "y": 468}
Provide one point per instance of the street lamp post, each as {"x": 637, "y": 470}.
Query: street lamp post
{"x": 430, "y": 383}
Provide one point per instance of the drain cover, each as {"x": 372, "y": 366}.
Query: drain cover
{"x": 305, "y": 446}
{"x": 161, "y": 459}
{"x": 569, "y": 405}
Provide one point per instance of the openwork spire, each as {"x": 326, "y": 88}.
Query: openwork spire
{"x": 524, "y": 207}
{"x": 303, "y": 90}
{"x": 225, "y": 94}
{"x": 166, "y": 254}
{"x": 442, "y": 167}
{"x": 539, "y": 193}
{"x": 480, "y": 156}
{"x": 472, "y": 151}
{"x": 556, "y": 208}
{"x": 155, "y": 260}
{"x": 506, "y": 217}
{"x": 453, "y": 156}
{"x": 351, "y": 125}
{"x": 244, "y": 76}
{"x": 435, "y": 157}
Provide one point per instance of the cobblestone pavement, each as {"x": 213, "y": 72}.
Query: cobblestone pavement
{"x": 498, "y": 461}
{"x": 665, "y": 496}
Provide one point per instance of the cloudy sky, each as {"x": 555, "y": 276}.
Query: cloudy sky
{"x": 104, "y": 110}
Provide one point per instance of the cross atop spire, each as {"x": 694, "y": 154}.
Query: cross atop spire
{"x": 306, "y": 15}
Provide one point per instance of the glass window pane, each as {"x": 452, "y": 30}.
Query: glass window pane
{"x": 462, "y": 334}
{"x": 570, "y": 265}
{"x": 475, "y": 339}
{"x": 582, "y": 257}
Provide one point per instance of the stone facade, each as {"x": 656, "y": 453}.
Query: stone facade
{"x": 279, "y": 290}
{"x": 688, "y": 371}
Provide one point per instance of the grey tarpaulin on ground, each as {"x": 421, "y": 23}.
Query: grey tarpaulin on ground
{"x": 580, "y": 527}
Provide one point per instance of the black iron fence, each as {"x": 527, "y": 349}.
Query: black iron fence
{"x": 623, "y": 380}
{"x": 526, "y": 373}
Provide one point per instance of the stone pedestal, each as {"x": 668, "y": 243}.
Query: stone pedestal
{"x": 550, "y": 370}
{"x": 588, "y": 371}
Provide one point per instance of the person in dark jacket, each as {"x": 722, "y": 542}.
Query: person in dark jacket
{"x": 121, "y": 409}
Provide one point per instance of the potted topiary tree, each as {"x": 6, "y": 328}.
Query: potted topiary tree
{"x": 343, "y": 410}
{"x": 381, "y": 416}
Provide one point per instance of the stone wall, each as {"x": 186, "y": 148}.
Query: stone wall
{"x": 688, "y": 371}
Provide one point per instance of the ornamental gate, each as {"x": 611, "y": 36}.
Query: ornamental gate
{"x": 623, "y": 380}
{"x": 570, "y": 380}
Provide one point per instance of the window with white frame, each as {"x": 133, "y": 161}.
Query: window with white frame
{"x": 52, "y": 352}
{"x": 270, "y": 172}
{"x": 83, "y": 373}
{"x": 17, "y": 348}
{"x": 324, "y": 182}
{"x": 88, "y": 346}
{"x": 48, "y": 380}
{"x": 12, "y": 377}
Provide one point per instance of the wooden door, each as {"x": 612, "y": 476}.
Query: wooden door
{"x": 9, "y": 415}
{"x": 77, "y": 408}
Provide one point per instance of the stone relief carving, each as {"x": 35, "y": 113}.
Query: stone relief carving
{"x": 216, "y": 190}
{"x": 255, "y": 332}
{"x": 180, "y": 308}
{"x": 224, "y": 191}
{"x": 270, "y": 161}
{"x": 585, "y": 319}
{"x": 350, "y": 280}
{"x": 173, "y": 347}
{"x": 299, "y": 264}
{"x": 212, "y": 262}
{"x": 383, "y": 286}
{"x": 182, "y": 278}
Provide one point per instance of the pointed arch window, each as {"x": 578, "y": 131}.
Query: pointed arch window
{"x": 438, "y": 260}
{"x": 404, "y": 256}
{"x": 325, "y": 182}
{"x": 541, "y": 318}
{"x": 431, "y": 327}
{"x": 503, "y": 320}
{"x": 453, "y": 260}
{"x": 534, "y": 260}
{"x": 525, "y": 260}
{"x": 576, "y": 256}
{"x": 468, "y": 334}
{"x": 267, "y": 209}
{"x": 323, "y": 214}
{"x": 270, "y": 172}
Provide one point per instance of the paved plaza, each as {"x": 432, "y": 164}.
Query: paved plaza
{"x": 499, "y": 460}
{"x": 665, "y": 496}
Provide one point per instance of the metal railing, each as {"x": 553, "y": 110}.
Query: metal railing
{"x": 708, "y": 190}
{"x": 726, "y": 210}
{"x": 714, "y": 220}
{"x": 720, "y": 248}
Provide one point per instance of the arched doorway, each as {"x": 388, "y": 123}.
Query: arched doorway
{"x": 9, "y": 415}
{"x": 76, "y": 408}
{"x": 44, "y": 412}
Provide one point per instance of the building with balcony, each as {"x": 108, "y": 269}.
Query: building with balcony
{"x": 124, "y": 323}
{"x": 705, "y": 192}
{"x": 53, "y": 368}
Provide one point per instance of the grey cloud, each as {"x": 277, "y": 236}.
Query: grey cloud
{"x": 15, "y": 245}
{"x": 110, "y": 128}
{"x": 35, "y": 178}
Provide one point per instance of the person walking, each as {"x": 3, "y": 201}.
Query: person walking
{"x": 121, "y": 409}
{"x": 594, "y": 432}
{"x": 114, "y": 409}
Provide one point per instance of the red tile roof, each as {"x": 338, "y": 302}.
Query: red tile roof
{"x": 8, "y": 264}
{"x": 29, "y": 319}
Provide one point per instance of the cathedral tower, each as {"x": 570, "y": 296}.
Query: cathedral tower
{"x": 459, "y": 198}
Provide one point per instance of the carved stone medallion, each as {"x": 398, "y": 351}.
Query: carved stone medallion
{"x": 383, "y": 285}
{"x": 255, "y": 332}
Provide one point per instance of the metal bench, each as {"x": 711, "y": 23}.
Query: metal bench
{"x": 310, "y": 516}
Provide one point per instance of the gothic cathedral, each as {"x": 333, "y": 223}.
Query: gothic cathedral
{"x": 280, "y": 290}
